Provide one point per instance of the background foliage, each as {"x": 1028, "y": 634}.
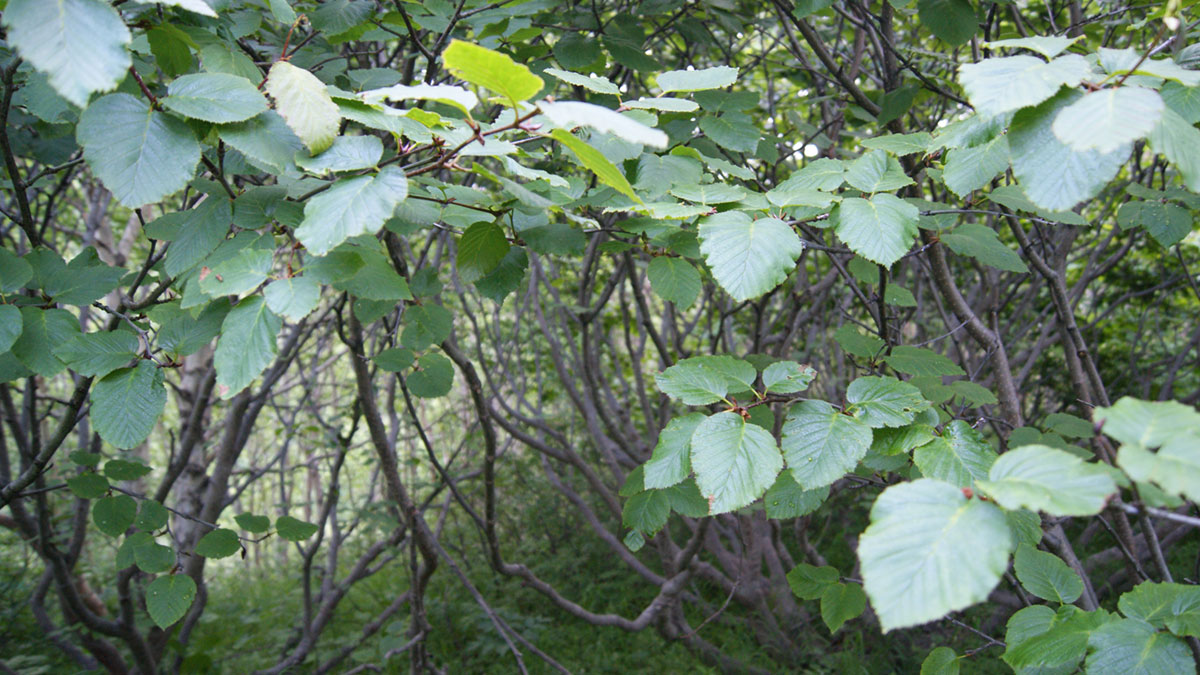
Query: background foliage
{"x": 469, "y": 336}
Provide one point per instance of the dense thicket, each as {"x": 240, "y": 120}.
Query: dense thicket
{"x": 604, "y": 336}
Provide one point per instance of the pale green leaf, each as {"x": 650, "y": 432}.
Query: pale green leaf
{"x": 787, "y": 377}
{"x": 880, "y": 229}
{"x": 348, "y": 153}
{"x": 351, "y": 207}
{"x": 1175, "y": 467}
{"x": 79, "y": 44}
{"x": 303, "y": 102}
{"x": 1175, "y": 607}
{"x": 441, "y": 93}
{"x": 697, "y": 80}
{"x": 1041, "y": 478}
{"x": 1048, "y": 46}
{"x": 1052, "y": 174}
{"x": 214, "y": 97}
{"x": 921, "y": 534}
{"x": 592, "y": 82}
{"x": 996, "y": 86}
{"x": 735, "y": 461}
{"x": 748, "y": 257}
{"x": 787, "y": 499}
{"x": 877, "y": 171}
{"x": 1108, "y": 119}
{"x": 293, "y": 297}
{"x": 1146, "y": 423}
{"x": 197, "y": 6}
{"x": 1179, "y": 142}
{"x": 663, "y": 104}
{"x": 969, "y": 169}
{"x": 821, "y": 444}
{"x": 671, "y": 462}
{"x": 884, "y": 401}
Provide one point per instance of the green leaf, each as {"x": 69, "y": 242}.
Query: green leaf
{"x": 857, "y": 344}
{"x": 1014, "y": 198}
{"x": 351, "y": 207}
{"x": 960, "y": 458}
{"x": 252, "y": 523}
{"x": 291, "y": 529}
{"x": 877, "y": 171}
{"x": 570, "y": 114}
{"x": 198, "y": 6}
{"x": 787, "y": 499}
{"x": 706, "y": 379}
{"x": 395, "y": 359}
{"x": 220, "y": 543}
{"x": 880, "y": 229}
{"x": 821, "y": 444}
{"x": 10, "y": 326}
{"x": 663, "y": 104}
{"x": 302, "y": 101}
{"x": 88, "y": 485}
{"x": 921, "y": 534}
{"x": 480, "y": 250}
{"x": 266, "y": 140}
{"x": 1048, "y": 46}
{"x": 14, "y": 271}
{"x": 491, "y": 70}
{"x": 809, "y": 582}
{"x": 348, "y": 153}
{"x": 81, "y": 282}
{"x": 433, "y": 377}
{"x": 709, "y": 193}
{"x": 575, "y": 50}
{"x": 126, "y": 404}
{"x": 506, "y": 277}
{"x": 1041, "y": 478}
{"x": 1108, "y": 119}
{"x": 426, "y": 325}
{"x": 1039, "y": 637}
{"x": 996, "y": 86}
{"x": 79, "y": 44}
{"x": 121, "y": 469}
{"x": 969, "y": 169}
{"x": 1175, "y": 607}
{"x": 151, "y": 516}
{"x": 840, "y": 603}
{"x": 114, "y": 515}
{"x": 918, "y": 361}
{"x": 674, "y": 280}
{"x": 1046, "y": 575}
{"x": 634, "y": 541}
{"x": 41, "y": 329}
{"x": 900, "y": 144}
{"x": 1145, "y": 423}
{"x": 83, "y": 458}
{"x": 884, "y": 401}
{"x": 748, "y": 257}
{"x": 154, "y": 558}
{"x": 203, "y": 229}
{"x": 169, "y": 597}
{"x": 735, "y": 462}
{"x": 1052, "y": 174}
{"x": 246, "y": 346}
{"x": 95, "y": 354}
{"x": 140, "y": 154}
{"x": 697, "y": 80}
{"x": 951, "y": 20}
{"x": 1132, "y": 647}
{"x": 1175, "y": 467}
{"x": 731, "y": 130}
{"x": 597, "y": 163}
{"x": 293, "y": 297}
{"x": 671, "y": 461}
{"x": 240, "y": 272}
{"x": 442, "y": 93}
{"x": 1167, "y": 223}
{"x": 787, "y": 377}
{"x": 982, "y": 243}
{"x": 941, "y": 661}
{"x": 647, "y": 511}
{"x": 214, "y": 97}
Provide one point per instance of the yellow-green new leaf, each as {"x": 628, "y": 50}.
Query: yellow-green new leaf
{"x": 305, "y": 105}
{"x": 491, "y": 70}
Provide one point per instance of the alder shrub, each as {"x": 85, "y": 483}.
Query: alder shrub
{"x": 847, "y": 328}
